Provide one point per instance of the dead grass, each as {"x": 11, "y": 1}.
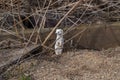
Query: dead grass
{"x": 78, "y": 65}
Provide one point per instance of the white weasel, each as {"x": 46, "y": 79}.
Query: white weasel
{"x": 59, "y": 42}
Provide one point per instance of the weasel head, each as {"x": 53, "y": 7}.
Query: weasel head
{"x": 59, "y": 32}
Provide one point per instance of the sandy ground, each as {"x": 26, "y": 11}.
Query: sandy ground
{"x": 77, "y": 65}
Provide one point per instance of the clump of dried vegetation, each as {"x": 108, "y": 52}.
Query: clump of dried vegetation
{"x": 16, "y": 16}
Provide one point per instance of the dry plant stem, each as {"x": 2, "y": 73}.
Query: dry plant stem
{"x": 76, "y": 35}
{"x": 62, "y": 7}
{"x": 55, "y": 2}
{"x": 38, "y": 32}
{"x": 78, "y": 40}
{"x": 43, "y": 21}
{"x": 49, "y": 48}
{"x": 23, "y": 20}
{"x": 16, "y": 30}
{"x": 38, "y": 38}
{"x": 44, "y": 3}
{"x": 14, "y": 34}
{"x": 49, "y": 35}
{"x": 34, "y": 30}
{"x": 83, "y": 29}
{"x": 72, "y": 21}
{"x": 11, "y": 33}
{"x": 23, "y": 29}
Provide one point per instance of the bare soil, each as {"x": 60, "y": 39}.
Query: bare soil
{"x": 73, "y": 65}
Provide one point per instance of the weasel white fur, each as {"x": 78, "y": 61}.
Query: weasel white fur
{"x": 59, "y": 42}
